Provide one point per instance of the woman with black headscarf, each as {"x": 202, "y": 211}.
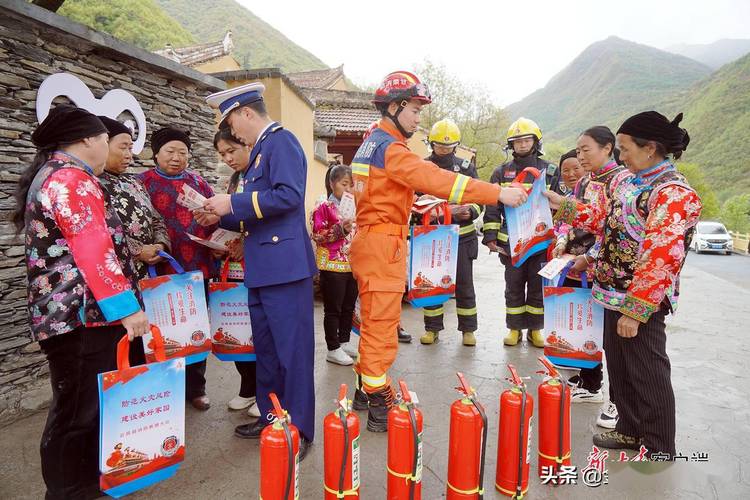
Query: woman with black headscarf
{"x": 165, "y": 182}
{"x": 647, "y": 227}
{"x": 79, "y": 286}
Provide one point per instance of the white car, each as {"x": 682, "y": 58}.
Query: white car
{"x": 712, "y": 237}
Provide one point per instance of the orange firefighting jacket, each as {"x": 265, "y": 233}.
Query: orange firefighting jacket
{"x": 386, "y": 174}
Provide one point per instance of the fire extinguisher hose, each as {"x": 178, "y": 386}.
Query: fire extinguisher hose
{"x": 342, "y": 476}
{"x": 482, "y": 413}
{"x": 521, "y": 426}
{"x": 413, "y": 422}
{"x": 560, "y": 452}
{"x": 290, "y": 459}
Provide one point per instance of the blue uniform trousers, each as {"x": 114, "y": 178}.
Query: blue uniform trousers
{"x": 283, "y": 335}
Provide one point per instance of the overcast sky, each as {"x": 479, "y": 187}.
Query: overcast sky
{"x": 538, "y": 38}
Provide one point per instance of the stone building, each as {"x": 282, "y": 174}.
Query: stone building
{"x": 35, "y": 43}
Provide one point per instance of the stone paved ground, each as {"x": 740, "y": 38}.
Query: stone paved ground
{"x": 707, "y": 345}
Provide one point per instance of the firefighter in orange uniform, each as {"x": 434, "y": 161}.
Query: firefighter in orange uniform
{"x": 386, "y": 174}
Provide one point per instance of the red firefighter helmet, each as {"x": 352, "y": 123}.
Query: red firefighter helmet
{"x": 401, "y": 86}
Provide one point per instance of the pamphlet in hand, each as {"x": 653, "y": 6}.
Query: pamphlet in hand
{"x": 347, "y": 207}
{"x": 553, "y": 267}
{"x": 190, "y": 198}
{"x": 425, "y": 205}
{"x": 218, "y": 240}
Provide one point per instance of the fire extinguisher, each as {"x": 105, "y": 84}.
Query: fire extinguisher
{"x": 341, "y": 450}
{"x": 468, "y": 444}
{"x": 554, "y": 420}
{"x": 514, "y": 438}
{"x": 279, "y": 454}
{"x": 404, "y": 448}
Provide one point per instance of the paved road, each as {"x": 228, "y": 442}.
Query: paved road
{"x": 733, "y": 268}
{"x": 708, "y": 347}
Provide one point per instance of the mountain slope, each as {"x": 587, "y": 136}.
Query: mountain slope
{"x": 257, "y": 44}
{"x": 713, "y": 55}
{"x": 717, "y": 115}
{"x": 606, "y": 83}
{"x": 140, "y": 22}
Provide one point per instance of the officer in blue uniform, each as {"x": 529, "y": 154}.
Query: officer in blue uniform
{"x": 270, "y": 215}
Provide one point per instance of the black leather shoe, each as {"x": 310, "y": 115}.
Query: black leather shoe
{"x": 360, "y": 400}
{"x": 250, "y": 431}
{"x": 403, "y": 337}
{"x": 304, "y": 447}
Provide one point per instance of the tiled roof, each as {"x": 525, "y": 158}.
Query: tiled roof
{"x": 339, "y": 98}
{"x": 197, "y": 54}
{"x": 346, "y": 119}
{"x": 317, "y": 79}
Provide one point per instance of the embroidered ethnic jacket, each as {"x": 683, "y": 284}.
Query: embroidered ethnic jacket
{"x": 646, "y": 229}
{"x": 78, "y": 264}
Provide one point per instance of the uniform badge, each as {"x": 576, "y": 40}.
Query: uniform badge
{"x": 257, "y": 160}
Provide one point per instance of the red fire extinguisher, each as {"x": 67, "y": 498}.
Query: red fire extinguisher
{"x": 404, "y": 448}
{"x": 514, "y": 438}
{"x": 554, "y": 420}
{"x": 467, "y": 446}
{"x": 279, "y": 455}
{"x": 341, "y": 450}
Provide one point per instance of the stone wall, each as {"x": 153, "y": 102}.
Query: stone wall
{"x": 35, "y": 43}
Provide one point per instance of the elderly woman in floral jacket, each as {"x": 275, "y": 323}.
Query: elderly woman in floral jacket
{"x": 82, "y": 298}
{"x": 646, "y": 227}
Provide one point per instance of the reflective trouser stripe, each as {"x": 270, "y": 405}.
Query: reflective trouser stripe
{"x": 502, "y": 237}
{"x": 431, "y": 313}
{"x": 471, "y": 311}
{"x": 534, "y": 310}
{"x": 491, "y": 226}
{"x": 515, "y": 310}
{"x": 374, "y": 381}
{"x": 466, "y": 229}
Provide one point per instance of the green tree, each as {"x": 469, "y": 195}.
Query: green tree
{"x": 735, "y": 213}
{"x": 140, "y": 22}
{"x": 695, "y": 177}
{"x": 482, "y": 122}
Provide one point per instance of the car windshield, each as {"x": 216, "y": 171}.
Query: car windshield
{"x": 711, "y": 229}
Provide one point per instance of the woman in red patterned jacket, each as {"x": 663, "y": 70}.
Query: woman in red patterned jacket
{"x": 647, "y": 226}
{"x": 81, "y": 288}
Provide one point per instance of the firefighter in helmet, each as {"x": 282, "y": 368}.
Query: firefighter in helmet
{"x": 524, "y": 308}
{"x": 444, "y": 138}
{"x": 386, "y": 174}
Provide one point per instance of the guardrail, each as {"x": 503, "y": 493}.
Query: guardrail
{"x": 741, "y": 242}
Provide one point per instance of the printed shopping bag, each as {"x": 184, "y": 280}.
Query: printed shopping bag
{"x": 356, "y": 318}
{"x": 574, "y": 324}
{"x": 231, "y": 333}
{"x": 433, "y": 250}
{"x": 142, "y": 421}
{"x": 176, "y": 303}
{"x": 530, "y": 225}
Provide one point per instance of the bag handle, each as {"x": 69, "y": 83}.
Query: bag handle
{"x": 446, "y": 214}
{"x": 123, "y": 349}
{"x": 566, "y": 270}
{"x": 171, "y": 260}
{"x": 517, "y": 182}
{"x": 225, "y": 269}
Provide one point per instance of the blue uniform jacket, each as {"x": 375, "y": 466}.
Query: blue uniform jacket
{"x": 270, "y": 212}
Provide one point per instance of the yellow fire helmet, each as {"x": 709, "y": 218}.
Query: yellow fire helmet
{"x": 523, "y": 127}
{"x": 445, "y": 132}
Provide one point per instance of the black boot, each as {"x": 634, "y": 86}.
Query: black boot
{"x": 379, "y": 405}
{"x": 403, "y": 337}
{"x": 360, "y": 400}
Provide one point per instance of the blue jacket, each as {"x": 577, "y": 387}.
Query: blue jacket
{"x": 270, "y": 212}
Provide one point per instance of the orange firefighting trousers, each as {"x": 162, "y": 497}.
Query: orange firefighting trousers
{"x": 380, "y": 255}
